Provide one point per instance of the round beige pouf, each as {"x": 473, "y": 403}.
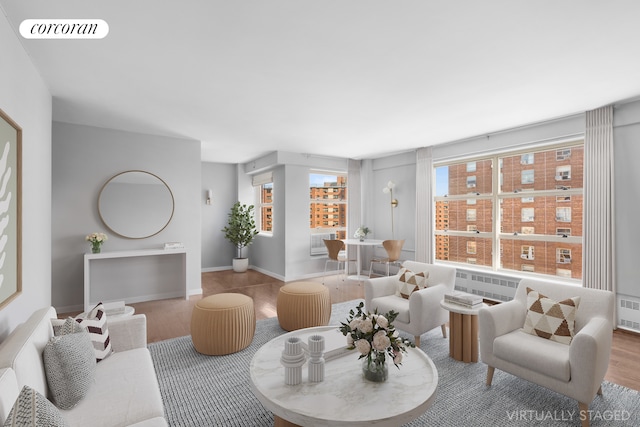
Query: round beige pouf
{"x": 303, "y": 305}
{"x": 223, "y": 324}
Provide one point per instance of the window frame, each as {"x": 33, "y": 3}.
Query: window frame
{"x": 544, "y": 189}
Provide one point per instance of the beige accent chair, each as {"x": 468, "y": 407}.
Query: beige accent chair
{"x": 393, "y": 249}
{"x": 421, "y": 312}
{"x": 574, "y": 370}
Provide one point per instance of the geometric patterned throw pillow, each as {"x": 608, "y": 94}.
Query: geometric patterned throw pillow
{"x": 553, "y": 320}
{"x": 409, "y": 282}
{"x": 96, "y": 324}
{"x": 33, "y": 409}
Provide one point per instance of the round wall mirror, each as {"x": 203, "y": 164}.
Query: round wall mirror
{"x": 135, "y": 204}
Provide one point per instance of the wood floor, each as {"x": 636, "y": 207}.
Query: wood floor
{"x": 171, "y": 318}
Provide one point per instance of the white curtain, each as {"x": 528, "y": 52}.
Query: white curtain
{"x": 354, "y": 194}
{"x": 598, "y": 249}
{"x": 424, "y": 205}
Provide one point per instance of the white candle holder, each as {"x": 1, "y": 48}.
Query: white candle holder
{"x": 292, "y": 359}
{"x": 316, "y": 359}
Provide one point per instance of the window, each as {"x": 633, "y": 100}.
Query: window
{"x": 563, "y": 214}
{"x": 528, "y": 230}
{"x": 471, "y": 182}
{"x": 328, "y": 204}
{"x": 526, "y": 159}
{"x": 263, "y": 185}
{"x": 563, "y": 154}
{"x": 528, "y": 215}
{"x": 471, "y": 215}
{"x": 471, "y": 167}
{"x": 527, "y": 252}
{"x": 563, "y": 173}
{"x": 471, "y": 248}
{"x": 522, "y": 229}
{"x": 563, "y": 256}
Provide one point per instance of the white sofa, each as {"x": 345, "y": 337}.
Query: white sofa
{"x": 575, "y": 370}
{"x": 421, "y": 312}
{"x": 125, "y": 391}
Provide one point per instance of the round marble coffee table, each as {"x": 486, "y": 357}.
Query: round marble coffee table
{"x": 344, "y": 398}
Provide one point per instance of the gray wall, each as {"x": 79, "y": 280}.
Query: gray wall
{"x": 217, "y": 252}
{"x": 26, "y": 99}
{"x": 83, "y": 159}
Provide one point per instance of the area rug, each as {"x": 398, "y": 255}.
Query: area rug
{"x": 200, "y": 390}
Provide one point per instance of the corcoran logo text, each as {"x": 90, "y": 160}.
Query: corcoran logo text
{"x": 64, "y": 29}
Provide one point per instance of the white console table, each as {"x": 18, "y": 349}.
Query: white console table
{"x": 134, "y": 276}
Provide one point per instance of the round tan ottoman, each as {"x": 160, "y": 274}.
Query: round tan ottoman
{"x": 303, "y": 305}
{"x": 223, "y": 324}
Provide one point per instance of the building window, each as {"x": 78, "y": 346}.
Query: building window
{"x": 471, "y": 182}
{"x": 328, "y": 204}
{"x": 472, "y": 261}
{"x": 528, "y": 215}
{"x": 563, "y": 214}
{"x": 528, "y": 267}
{"x": 563, "y": 173}
{"x": 528, "y": 230}
{"x": 527, "y": 252}
{"x": 563, "y": 256}
{"x": 527, "y": 159}
{"x": 471, "y": 166}
{"x": 517, "y": 223}
{"x": 471, "y": 215}
{"x": 263, "y": 185}
{"x": 471, "y": 248}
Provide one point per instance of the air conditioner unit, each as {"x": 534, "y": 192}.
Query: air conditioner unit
{"x": 317, "y": 243}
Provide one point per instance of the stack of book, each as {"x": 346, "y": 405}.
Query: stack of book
{"x": 173, "y": 245}
{"x": 464, "y": 299}
{"x": 113, "y": 308}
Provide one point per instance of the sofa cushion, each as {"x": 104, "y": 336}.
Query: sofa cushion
{"x": 550, "y": 319}
{"x": 410, "y": 281}
{"x": 533, "y": 353}
{"x": 391, "y": 302}
{"x": 127, "y": 381}
{"x": 34, "y": 410}
{"x": 70, "y": 366}
{"x": 96, "y": 323}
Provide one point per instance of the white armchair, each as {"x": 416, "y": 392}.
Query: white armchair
{"x": 421, "y": 312}
{"x": 575, "y": 370}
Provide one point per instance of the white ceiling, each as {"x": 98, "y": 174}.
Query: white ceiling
{"x": 348, "y": 78}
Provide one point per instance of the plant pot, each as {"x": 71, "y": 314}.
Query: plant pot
{"x": 240, "y": 265}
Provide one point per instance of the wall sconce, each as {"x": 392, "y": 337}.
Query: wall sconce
{"x": 394, "y": 202}
{"x": 389, "y": 190}
{"x": 209, "y": 196}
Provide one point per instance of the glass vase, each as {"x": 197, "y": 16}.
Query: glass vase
{"x": 374, "y": 371}
{"x": 95, "y": 249}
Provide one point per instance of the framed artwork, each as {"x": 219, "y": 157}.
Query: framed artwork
{"x": 10, "y": 209}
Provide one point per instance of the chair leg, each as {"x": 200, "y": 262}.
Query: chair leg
{"x": 490, "y": 370}
{"x": 370, "y": 269}
{"x": 584, "y": 414}
{"x": 416, "y": 338}
{"x": 444, "y": 330}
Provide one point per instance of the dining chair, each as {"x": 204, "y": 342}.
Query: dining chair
{"x": 338, "y": 254}
{"x": 393, "y": 249}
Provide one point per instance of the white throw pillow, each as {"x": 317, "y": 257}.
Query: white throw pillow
{"x": 409, "y": 282}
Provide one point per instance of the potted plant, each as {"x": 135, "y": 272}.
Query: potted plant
{"x": 240, "y": 230}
